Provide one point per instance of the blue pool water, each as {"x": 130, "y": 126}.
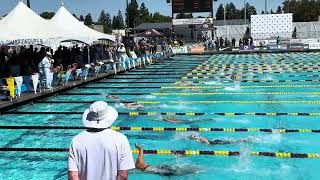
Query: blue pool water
{"x": 43, "y": 165}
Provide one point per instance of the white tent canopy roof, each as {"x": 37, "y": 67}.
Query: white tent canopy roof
{"x": 66, "y": 21}
{"x": 26, "y": 27}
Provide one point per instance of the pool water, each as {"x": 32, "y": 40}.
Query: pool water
{"x": 144, "y": 85}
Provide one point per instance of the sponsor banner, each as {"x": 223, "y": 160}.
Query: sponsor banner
{"x": 303, "y": 41}
{"x": 298, "y": 46}
{"x": 20, "y": 42}
{"x": 314, "y": 45}
{"x": 247, "y": 48}
{"x": 192, "y": 21}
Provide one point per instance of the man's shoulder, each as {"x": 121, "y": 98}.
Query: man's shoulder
{"x": 115, "y": 133}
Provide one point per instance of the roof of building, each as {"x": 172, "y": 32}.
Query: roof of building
{"x": 147, "y": 26}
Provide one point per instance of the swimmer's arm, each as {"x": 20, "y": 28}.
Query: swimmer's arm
{"x": 204, "y": 140}
{"x": 122, "y": 175}
{"x": 73, "y": 175}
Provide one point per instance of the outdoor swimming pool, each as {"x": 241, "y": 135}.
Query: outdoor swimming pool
{"x": 273, "y": 91}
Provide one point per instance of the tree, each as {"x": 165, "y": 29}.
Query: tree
{"x": 117, "y": 22}
{"x": 220, "y": 12}
{"x": 143, "y": 11}
{"x": 262, "y": 12}
{"x": 47, "y": 15}
{"x": 132, "y": 13}
{"x": 303, "y": 10}
{"x": 81, "y": 18}
{"x": 279, "y": 10}
{"x": 232, "y": 12}
{"x": 294, "y": 33}
{"x": 271, "y": 12}
{"x": 251, "y": 10}
{"x": 88, "y": 20}
{"x": 103, "y": 18}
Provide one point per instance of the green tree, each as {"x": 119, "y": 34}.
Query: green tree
{"x": 279, "y": 10}
{"x": 303, "y": 10}
{"x": 132, "y": 13}
{"x": 88, "y": 20}
{"x": 105, "y": 20}
{"x": 81, "y": 18}
{"x": 143, "y": 11}
{"x": 220, "y": 12}
{"x": 271, "y": 12}
{"x": 232, "y": 12}
{"x": 47, "y": 15}
{"x": 251, "y": 10}
{"x": 117, "y": 22}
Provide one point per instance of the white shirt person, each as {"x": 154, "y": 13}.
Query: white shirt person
{"x": 99, "y": 152}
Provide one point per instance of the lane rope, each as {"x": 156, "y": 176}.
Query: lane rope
{"x": 246, "y": 87}
{"x": 183, "y": 152}
{"x": 186, "y": 102}
{"x": 162, "y": 129}
{"x": 181, "y": 114}
{"x": 260, "y": 81}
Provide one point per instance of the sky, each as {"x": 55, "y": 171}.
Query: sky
{"x": 112, "y": 6}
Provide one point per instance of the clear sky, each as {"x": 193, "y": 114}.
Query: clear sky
{"x": 112, "y": 6}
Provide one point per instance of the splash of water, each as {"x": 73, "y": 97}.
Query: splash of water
{"x": 213, "y": 83}
{"x": 236, "y": 87}
{"x": 244, "y": 163}
{"x": 149, "y": 97}
{"x": 267, "y": 78}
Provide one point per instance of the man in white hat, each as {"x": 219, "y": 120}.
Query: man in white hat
{"x": 99, "y": 152}
{"x": 44, "y": 68}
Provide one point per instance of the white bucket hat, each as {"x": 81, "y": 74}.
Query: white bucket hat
{"x": 99, "y": 115}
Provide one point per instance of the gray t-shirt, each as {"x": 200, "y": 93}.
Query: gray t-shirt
{"x": 100, "y": 155}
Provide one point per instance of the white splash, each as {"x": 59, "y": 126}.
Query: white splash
{"x": 236, "y": 87}
{"x": 213, "y": 83}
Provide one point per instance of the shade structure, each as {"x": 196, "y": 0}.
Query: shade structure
{"x": 150, "y": 33}
{"x": 22, "y": 26}
{"x": 66, "y": 21}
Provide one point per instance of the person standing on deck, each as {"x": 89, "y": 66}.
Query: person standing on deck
{"x": 99, "y": 152}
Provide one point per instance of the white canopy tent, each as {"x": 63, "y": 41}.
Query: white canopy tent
{"x": 22, "y": 26}
{"x": 66, "y": 21}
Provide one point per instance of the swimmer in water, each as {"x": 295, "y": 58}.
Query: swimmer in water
{"x": 182, "y": 121}
{"x": 184, "y": 83}
{"x": 132, "y": 106}
{"x": 113, "y": 97}
{"x": 164, "y": 170}
{"x": 204, "y": 140}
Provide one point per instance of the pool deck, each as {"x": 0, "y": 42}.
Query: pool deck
{"x": 29, "y": 97}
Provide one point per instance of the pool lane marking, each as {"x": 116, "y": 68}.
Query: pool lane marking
{"x": 193, "y": 94}
{"x": 179, "y": 129}
{"x": 183, "y": 102}
{"x": 183, "y": 152}
{"x": 141, "y": 82}
{"x": 258, "y": 81}
{"x": 227, "y": 76}
{"x": 242, "y": 87}
{"x": 223, "y": 81}
{"x": 245, "y": 72}
{"x": 134, "y": 114}
{"x": 197, "y": 87}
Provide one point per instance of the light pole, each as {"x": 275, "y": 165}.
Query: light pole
{"x": 245, "y": 12}
{"x": 225, "y": 18}
{"x": 265, "y": 6}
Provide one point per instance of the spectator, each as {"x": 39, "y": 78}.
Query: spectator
{"x": 99, "y": 152}
{"x": 233, "y": 42}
